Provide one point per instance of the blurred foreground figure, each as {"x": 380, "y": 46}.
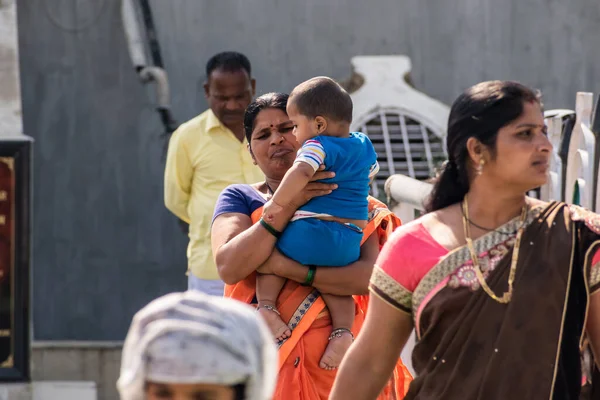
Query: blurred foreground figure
{"x": 191, "y": 345}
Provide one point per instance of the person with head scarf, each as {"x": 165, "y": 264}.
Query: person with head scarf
{"x": 189, "y": 346}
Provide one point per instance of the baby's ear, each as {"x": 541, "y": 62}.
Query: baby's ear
{"x": 321, "y": 124}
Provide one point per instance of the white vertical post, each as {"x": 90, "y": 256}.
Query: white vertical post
{"x": 10, "y": 93}
{"x": 580, "y": 167}
{"x": 386, "y": 141}
{"x": 406, "y": 144}
{"x": 553, "y": 189}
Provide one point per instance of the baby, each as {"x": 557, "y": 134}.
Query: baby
{"x": 327, "y": 231}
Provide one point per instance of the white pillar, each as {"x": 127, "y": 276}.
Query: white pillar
{"x": 10, "y": 93}
{"x": 580, "y": 162}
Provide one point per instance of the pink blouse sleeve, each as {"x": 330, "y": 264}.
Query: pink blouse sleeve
{"x": 404, "y": 260}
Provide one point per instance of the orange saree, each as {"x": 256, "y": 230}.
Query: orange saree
{"x": 300, "y": 377}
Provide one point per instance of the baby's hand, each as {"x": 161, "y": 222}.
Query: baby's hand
{"x": 271, "y": 210}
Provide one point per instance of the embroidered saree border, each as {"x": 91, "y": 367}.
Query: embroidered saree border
{"x": 302, "y": 308}
{"x": 459, "y": 256}
{"x": 590, "y": 218}
{"x": 390, "y": 290}
{"x": 300, "y": 312}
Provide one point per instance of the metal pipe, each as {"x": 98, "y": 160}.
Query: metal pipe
{"x": 407, "y": 190}
{"x": 158, "y": 76}
{"x": 148, "y": 72}
{"x": 133, "y": 34}
{"x": 163, "y": 97}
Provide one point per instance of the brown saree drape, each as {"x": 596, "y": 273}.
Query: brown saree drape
{"x": 472, "y": 347}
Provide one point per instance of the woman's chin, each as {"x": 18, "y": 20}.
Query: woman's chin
{"x": 536, "y": 183}
{"x": 278, "y": 166}
{"x": 282, "y": 162}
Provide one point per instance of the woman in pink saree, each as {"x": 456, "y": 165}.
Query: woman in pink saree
{"x": 501, "y": 288}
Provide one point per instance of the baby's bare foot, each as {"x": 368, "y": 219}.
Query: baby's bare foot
{"x": 335, "y": 351}
{"x": 279, "y": 328}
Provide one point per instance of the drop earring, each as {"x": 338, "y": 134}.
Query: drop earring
{"x": 480, "y": 166}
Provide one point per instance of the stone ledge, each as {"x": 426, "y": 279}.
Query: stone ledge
{"x": 73, "y": 361}
{"x": 57, "y": 390}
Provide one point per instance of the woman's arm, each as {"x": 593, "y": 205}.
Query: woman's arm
{"x": 342, "y": 281}
{"x": 370, "y": 361}
{"x": 239, "y": 247}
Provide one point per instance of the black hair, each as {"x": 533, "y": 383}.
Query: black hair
{"x": 478, "y": 112}
{"x": 228, "y": 61}
{"x": 322, "y": 96}
{"x": 269, "y": 100}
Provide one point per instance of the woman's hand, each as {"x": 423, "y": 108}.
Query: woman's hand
{"x": 273, "y": 263}
{"x": 314, "y": 188}
{"x": 342, "y": 281}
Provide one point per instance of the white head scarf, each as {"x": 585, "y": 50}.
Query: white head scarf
{"x": 193, "y": 338}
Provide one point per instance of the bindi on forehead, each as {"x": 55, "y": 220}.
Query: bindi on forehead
{"x": 272, "y": 123}
{"x": 272, "y": 126}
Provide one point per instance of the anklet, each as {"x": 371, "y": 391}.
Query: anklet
{"x": 271, "y": 308}
{"x": 337, "y": 333}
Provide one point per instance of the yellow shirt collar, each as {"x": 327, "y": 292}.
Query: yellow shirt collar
{"x": 212, "y": 122}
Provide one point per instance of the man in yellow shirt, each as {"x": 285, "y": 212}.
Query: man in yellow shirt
{"x": 206, "y": 154}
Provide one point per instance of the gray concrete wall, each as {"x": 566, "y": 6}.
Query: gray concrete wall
{"x": 549, "y": 44}
{"x": 103, "y": 242}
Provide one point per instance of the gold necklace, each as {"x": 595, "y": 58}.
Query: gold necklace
{"x": 506, "y": 297}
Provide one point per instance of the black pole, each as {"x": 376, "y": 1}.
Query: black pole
{"x": 151, "y": 33}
